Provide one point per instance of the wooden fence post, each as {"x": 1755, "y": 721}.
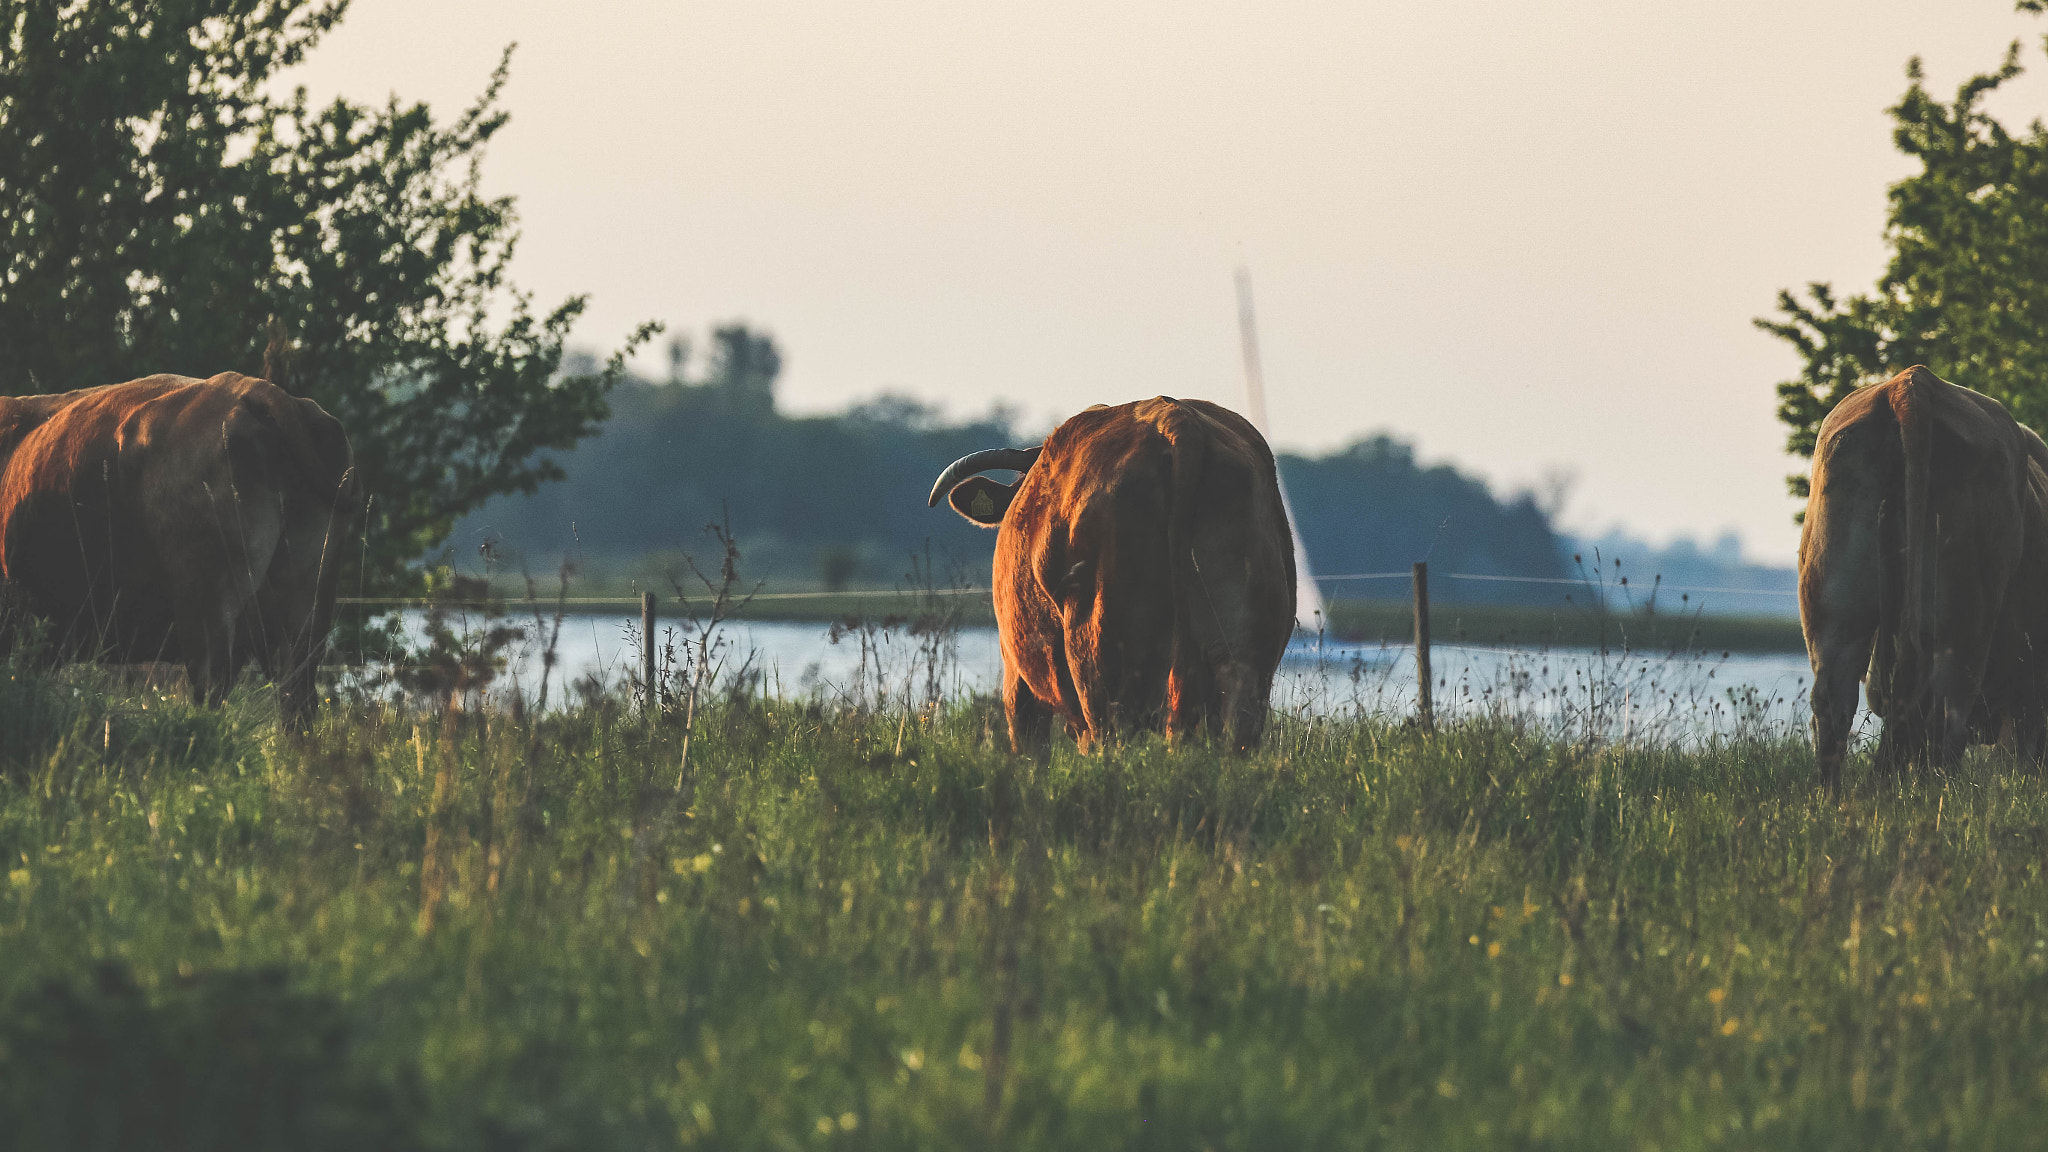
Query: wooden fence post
{"x": 1426, "y": 714}
{"x": 649, "y": 703}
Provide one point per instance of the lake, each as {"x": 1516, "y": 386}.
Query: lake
{"x": 1680, "y": 698}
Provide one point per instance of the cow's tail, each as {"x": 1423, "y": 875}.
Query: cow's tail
{"x": 1184, "y": 575}
{"x": 1913, "y": 407}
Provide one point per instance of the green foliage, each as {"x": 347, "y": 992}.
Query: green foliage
{"x": 744, "y": 368}
{"x": 163, "y": 211}
{"x": 1966, "y": 289}
{"x": 877, "y": 931}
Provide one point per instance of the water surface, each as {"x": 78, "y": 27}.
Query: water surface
{"x": 1616, "y": 694}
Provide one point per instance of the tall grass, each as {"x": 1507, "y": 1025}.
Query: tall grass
{"x": 860, "y": 929}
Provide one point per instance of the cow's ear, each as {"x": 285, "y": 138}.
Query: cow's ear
{"x": 981, "y": 500}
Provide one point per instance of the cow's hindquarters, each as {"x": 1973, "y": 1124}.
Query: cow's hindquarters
{"x": 1235, "y": 593}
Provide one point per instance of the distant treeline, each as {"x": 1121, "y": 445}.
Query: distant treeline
{"x": 836, "y": 501}
{"x": 1682, "y": 576}
{"x": 1370, "y": 508}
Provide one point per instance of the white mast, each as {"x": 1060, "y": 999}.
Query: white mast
{"x": 1308, "y": 599}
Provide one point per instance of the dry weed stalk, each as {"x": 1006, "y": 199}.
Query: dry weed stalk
{"x": 433, "y": 863}
{"x": 707, "y": 643}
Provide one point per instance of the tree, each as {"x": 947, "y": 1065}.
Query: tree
{"x": 164, "y": 212}
{"x": 1966, "y": 289}
{"x": 743, "y": 369}
{"x": 842, "y": 498}
{"x": 1372, "y": 507}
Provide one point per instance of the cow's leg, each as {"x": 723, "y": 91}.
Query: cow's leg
{"x": 1901, "y": 743}
{"x": 1840, "y": 581}
{"x": 1190, "y": 702}
{"x": 1973, "y": 574}
{"x": 291, "y": 660}
{"x": 294, "y": 607}
{"x": 1957, "y": 673}
{"x": 206, "y": 620}
{"x": 2026, "y": 630}
{"x": 1209, "y": 668}
{"x": 2024, "y": 699}
{"x": 1030, "y": 720}
{"x": 2029, "y": 737}
{"x": 1098, "y": 717}
{"x": 1245, "y": 697}
{"x": 1092, "y": 668}
{"x": 18, "y": 632}
{"x": 1839, "y": 649}
{"x": 1120, "y": 681}
{"x": 2016, "y": 734}
{"x": 295, "y": 668}
{"x": 1222, "y": 696}
{"x": 217, "y": 625}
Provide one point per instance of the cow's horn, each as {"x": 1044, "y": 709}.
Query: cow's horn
{"x": 986, "y": 460}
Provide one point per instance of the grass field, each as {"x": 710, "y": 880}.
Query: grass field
{"x": 877, "y": 931}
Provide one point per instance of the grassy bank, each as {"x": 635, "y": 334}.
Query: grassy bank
{"x": 878, "y": 932}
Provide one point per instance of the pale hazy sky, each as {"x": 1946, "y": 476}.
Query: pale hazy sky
{"x": 1524, "y": 235}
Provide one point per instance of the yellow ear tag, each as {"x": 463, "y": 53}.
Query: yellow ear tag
{"x": 982, "y": 505}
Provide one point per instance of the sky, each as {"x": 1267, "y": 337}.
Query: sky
{"x": 1530, "y": 238}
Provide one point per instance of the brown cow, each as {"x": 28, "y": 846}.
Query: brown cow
{"x": 197, "y": 522}
{"x": 1144, "y": 572}
{"x": 1927, "y": 533}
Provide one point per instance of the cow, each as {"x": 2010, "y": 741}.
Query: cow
{"x": 194, "y": 522}
{"x": 1923, "y": 562}
{"x": 1143, "y": 574}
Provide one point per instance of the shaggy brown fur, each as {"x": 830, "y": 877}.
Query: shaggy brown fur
{"x": 1924, "y": 561}
{"x": 1144, "y": 575}
{"x": 197, "y": 522}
